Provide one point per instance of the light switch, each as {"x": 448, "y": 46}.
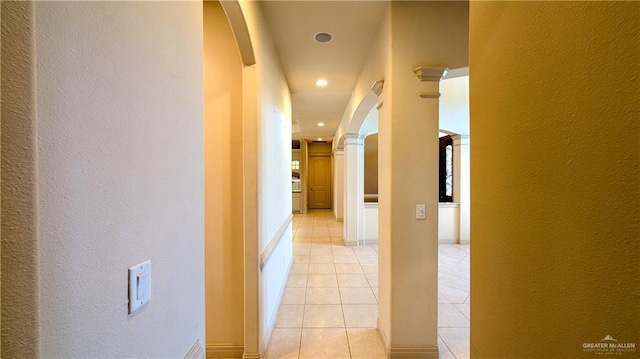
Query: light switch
{"x": 421, "y": 211}
{"x": 143, "y": 285}
{"x": 139, "y": 285}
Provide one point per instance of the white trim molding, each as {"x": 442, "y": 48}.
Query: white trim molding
{"x": 220, "y": 351}
{"x": 273, "y": 243}
{"x": 413, "y": 353}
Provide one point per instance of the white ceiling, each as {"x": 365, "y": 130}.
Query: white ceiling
{"x": 353, "y": 24}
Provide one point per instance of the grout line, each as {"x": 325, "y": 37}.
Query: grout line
{"x": 446, "y": 345}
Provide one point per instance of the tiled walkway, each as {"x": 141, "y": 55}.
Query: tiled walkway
{"x": 330, "y": 305}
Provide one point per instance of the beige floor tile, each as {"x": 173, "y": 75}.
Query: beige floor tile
{"x": 443, "y": 350}
{"x": 301, "y": 245}
{"x": 321, "y": 251}
{"x": 340, "y": 250}
{"x": 321, "y": 245}
{"x": 301, "y": 252}
{"x": 462, "y": 284}
{"x": 450, "y": 316}
{"x": 452, "y": 294}
{"x": 357, "y": 295}
{"x": 457, "y": 340}
{"x": 322, "y": 295}
{"x": 375, "y": 292}
{"x": 365, "y": 343}
{"x": 322, "y": 280}
{"x": 322, "y": 268}
{"x": 346, "y": 259}
{"x": 284, "y": 344}
{"x": 297, "y": 280}
{"x": 465, "y": 309}
{"x": 323, "y": 316}
{"x": 330, "y": 343}
{"x": 460, "y": 270}
{"x": 299, "y": 268}
{"x": 326, "y": 239}
{"x": 301, "y": 239}
{"x": 368, "y": 259}
{"x": 300, "y": 259}
{"x": 360, "y": 316}
{"x": 293, "y": 295}
{"x": 290, "y": 316}
{"x": 352, "y": 280}
{"x": 370, "y": 268}
{"x": 372, "y": 278}
{"x": 321, "y": 259}
{"x": 348, "y": 268}
{"x": 364, "y": 251}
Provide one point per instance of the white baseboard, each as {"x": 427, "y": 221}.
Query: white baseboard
{"x": 220, "y": 351}
{"x": 407, "y": 353}
{"x": 413, "y": 353}
{"x": 447, "y": 241}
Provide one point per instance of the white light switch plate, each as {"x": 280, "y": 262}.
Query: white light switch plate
{"x": 421, "y": 211}
{"x": 139, "y": 285}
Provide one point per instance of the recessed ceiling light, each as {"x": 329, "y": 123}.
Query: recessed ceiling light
{"x": 322, "y": 82}
{"x": 323, "y": 37}
{"x": 319, "y": 138}
{"x": 320, "y": 124}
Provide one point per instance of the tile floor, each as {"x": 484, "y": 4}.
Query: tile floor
{"x": 330, "y": 305}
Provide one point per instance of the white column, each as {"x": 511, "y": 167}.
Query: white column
{"x": 353, "y": 188}
{"x": 338, "y": 184}
{"x": 461, "y": 184}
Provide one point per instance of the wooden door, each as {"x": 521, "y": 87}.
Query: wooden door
{"x": 319, "y": 182}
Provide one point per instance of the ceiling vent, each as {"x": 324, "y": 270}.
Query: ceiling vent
{"x": 323, "y": 37}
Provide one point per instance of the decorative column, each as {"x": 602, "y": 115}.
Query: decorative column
{"x": 338, "y": 188}
{"x": 408, "y": 238}
{"x": 353, "y": 188}
{"x": 304, "y": 175}
{"x": 461, "y": 184}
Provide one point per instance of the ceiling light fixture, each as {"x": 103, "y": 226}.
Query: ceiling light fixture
{"x": 320, "y": 139}
{"x": 322, "y": 83}
{"x": 320, "y": 124}
{"x": 323, "y": 37}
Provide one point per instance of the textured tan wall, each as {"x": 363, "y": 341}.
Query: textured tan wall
{"x": 20, "y": 298}
{"x": 223, "y": 181}
{"x": 555, "y": 177}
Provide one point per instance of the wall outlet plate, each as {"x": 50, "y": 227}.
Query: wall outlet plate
{"x": 139, "y": 285}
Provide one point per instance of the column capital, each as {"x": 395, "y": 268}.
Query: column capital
{"x": 338, "y": 152}
{"x": 353, "y": 139}
{"x": 430, "y": 73}
{"x": 460, "y": 140}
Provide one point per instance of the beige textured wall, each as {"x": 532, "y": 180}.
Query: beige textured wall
{"x": 223, "y": 184}
{"x": 267, "y": 171}
{"x": 555, "y": 177}
{"x": 371, "y": 164}
{"x": 120, "y": 176}
{"x": 20, "y": 299}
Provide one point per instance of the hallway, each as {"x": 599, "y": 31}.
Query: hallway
{"x": 330, "y": 305}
